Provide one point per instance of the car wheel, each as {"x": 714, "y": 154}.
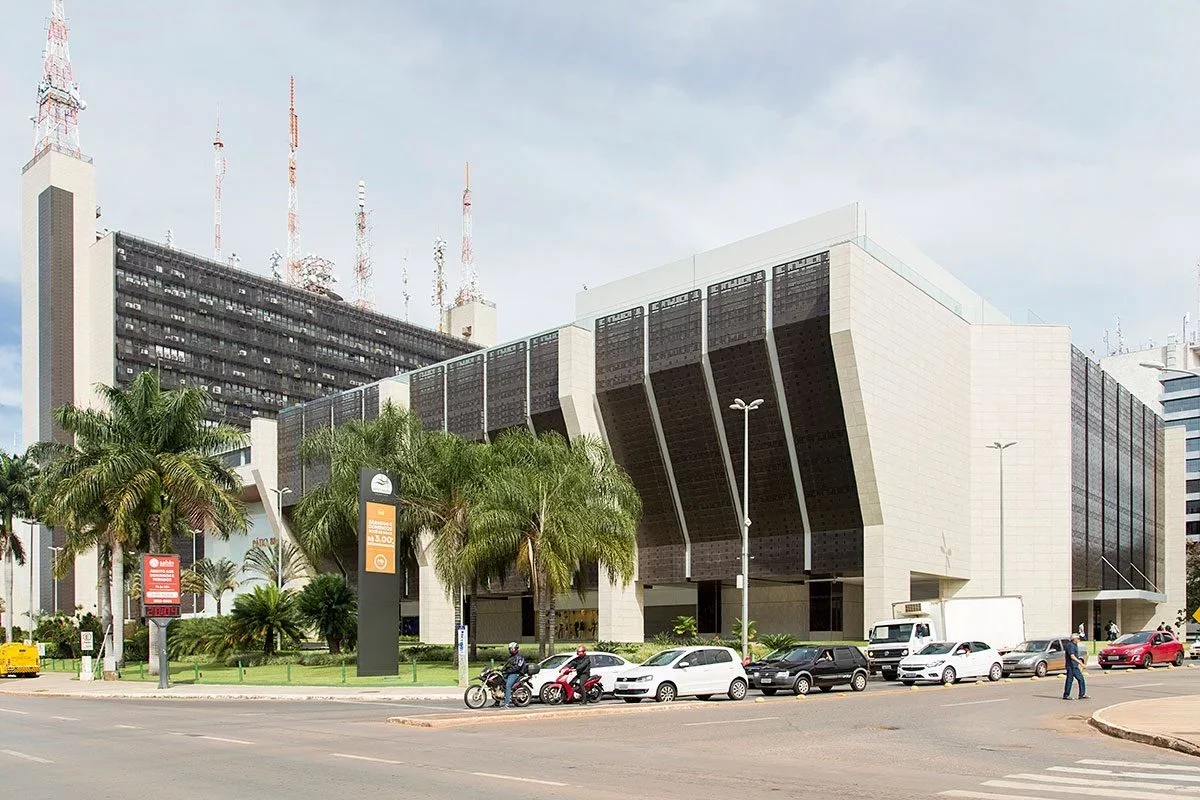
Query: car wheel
{"x": 552, "y": 694}
{"x": 768, "y": 692}
{"x": 1146, "y": 662}
{"x": 737, "y": 689}
{"x": 632, "y": 699}
{"x": 825, "y": 688}
{"x": 1040, "y": 669}
{"x": 802, "y": 685}
{"x": 949, "y": 676}
{"x": 859, "y": 682}
{"x": 909, "y": 683}
{"x": 704, "y": 697}
{"x": 666, "y": 693}
{"x": 995, "y": 673}
{"x": 475, "y": 696}
{"x": 1178, "y": 659}
{"x": 522, "y": 696}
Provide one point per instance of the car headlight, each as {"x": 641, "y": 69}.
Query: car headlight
{"x": 937, "y": 663}
{"x": 783, "y": 674}
{"x": 1028, "y": 659}
{"x": 641, "y": 678}
{"x": 903, "y": 652}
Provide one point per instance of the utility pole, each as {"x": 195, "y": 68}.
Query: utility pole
{"x": 741, "y": 405}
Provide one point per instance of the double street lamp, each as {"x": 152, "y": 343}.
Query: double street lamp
{"x": 740, "y": 405}
{"x": 279, "y": 493}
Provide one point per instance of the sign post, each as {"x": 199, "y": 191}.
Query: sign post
{"x": 85, "y": 662}
{"x": 160, "y": 602}
{"x": 460, "y": 642}
{"x": 378, "y": 583}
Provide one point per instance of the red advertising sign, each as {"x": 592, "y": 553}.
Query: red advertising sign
{"x": 160, "y": 580}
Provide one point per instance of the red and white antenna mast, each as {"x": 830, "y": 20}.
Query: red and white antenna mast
{"x": 469, "y": 290}
{"x": 362, "y": 251}
{"x": 439, "y": 282}
{"x": 219, "y": 153}
{"x": 56, "y": 125}
{"x": 293, "y": 246}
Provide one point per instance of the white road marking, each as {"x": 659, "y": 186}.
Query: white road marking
{"x": 1099, "y": 762}
{"x": 1090, "y": 782}
{"x": 128, "y": 727}
{"x": 975, "y": 703}
{"x": 366, "y": 758}
{"x": 219, "y": 739}
{"x": 984, "y": 795}
{"x": 522, "y": 780}
{"x": 1094, "y": 791}
{"x": 14, "y": 711}
{"x": 1158, "y": 776}
{"x": 67, "y": 719}
{"x": 1141, "y": 686}
{"x": 397, "y": 705}
{"x": 728, "y": 722}
{"x": 26, "y": 756}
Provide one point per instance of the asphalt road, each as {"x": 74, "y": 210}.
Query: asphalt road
{"x": 989, "y": 741}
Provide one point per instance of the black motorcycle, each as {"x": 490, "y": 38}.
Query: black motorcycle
{"x": 491, "y": 684}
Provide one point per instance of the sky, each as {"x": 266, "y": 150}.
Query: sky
{"x": 1043, "y": 152}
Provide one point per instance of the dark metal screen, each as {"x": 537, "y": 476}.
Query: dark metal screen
{"x": 464, "y": 398}
{"x": 506, "y": 381}
{"x": 545, "y": 407}
{"x": 427, "y": 396}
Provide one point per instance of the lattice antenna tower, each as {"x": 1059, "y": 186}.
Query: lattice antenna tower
{"x": 404, "y": 285}
{"x": 362, "y": 252}
{"x": 219, "y": 167}
{"x": 56, "y": 124}
{"x": 469, "y": 290}
{"x": 439, "y": 282}
{"x": 293, "y": 245}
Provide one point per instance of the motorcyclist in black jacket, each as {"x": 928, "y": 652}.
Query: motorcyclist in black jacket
{"x": 582, "y": 664}
{"x": 514, "y": 668}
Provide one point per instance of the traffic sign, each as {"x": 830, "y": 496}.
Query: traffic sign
{"x": 160, "y": 580}
{"x": 1196, "y": 615}
{"x": 85, "y": 641}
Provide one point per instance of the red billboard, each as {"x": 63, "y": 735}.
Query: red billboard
{"x": 160, "y": 580}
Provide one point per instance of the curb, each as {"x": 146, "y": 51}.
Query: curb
{"x": 1098, "y": 721}
{"x": 484, "y": 717}
{"x": 232, "y": 696}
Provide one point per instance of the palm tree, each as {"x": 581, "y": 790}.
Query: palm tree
{"x": 18, "y": 474}
{"x": 142, "y": 469}
{"x": 258, "y": 616}
{"x": 549, "y": 507}
{"x": 328, "y": 604}
{"x": 218, "y": 577}
{"x": 263, "y": 564}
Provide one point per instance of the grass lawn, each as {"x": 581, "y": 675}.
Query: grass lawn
{"x": 428, "y": 674}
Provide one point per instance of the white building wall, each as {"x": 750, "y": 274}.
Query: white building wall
{"x": 1021, "y": 391}
{"x": 1174, "y": 535}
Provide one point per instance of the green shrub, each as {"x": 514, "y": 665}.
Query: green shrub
{"x": 202, "y": 636}
{"x": 778, "y": 641}
{"x": 137, "y": 643}
{"x": 258, "y": 616}
{"x": 327, "y": 604}
{"x": 257, "y": 658}
{"x": 427, "y": 652}
{"x": 327, "y": 659}
{"x": 685, "y": 627}
{"x": 620, "y": 648}
{"x": 751, "y": 633}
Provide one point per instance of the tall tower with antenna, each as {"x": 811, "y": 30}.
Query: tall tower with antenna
{"x": 56, "y": 124}
{"x": 293, "y": 245}
{"x": 219, "y": 155}
{"x": 439, "y": 282}
{"x": 469, "y": 290}
{"x": 404, "y": 285}
{"x": 362, "y": 251}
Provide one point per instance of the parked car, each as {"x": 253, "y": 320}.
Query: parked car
{"x": 605, "y": 665}
{"x": 1036, "y": 657}
{"x": 1142, "y": 649}
{"x": 950, "y": 662}
{"x": 684, "y": 671}
{"x": 1194, "y": 652}
{"x": 798, "y": 669}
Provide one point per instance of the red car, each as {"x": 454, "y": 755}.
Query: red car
{"x": 1142, "y": 649}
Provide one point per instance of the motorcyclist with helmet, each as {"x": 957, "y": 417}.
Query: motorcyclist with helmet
{"x": 514, "y": 668}
{"x": 582, "y": 664}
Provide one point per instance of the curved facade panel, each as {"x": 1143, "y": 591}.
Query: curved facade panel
{"x": 545, "y": 407}
{"x": 428, "y": 398}
{"x": 464, "y": 398}
{"x": 506, "y": 380}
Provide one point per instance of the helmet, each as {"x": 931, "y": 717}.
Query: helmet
{"x": 513, "y": 647}
{"x": 581, "y": 651}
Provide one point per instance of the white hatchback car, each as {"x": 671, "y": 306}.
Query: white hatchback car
{"x": 949, "y": 662}
{"x": 684, "y": 672}
{"x": 606, "y": 665}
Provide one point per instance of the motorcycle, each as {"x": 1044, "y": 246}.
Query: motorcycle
{"x": 491, "y": 684}
{"x": 561, "y": 690}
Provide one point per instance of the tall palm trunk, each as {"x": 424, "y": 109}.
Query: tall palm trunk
{"x": 9, "y": 611}
{"x": 116, "y": 589}
{"x": 551, "y": 624}
{"x": 104, "y": 589}
{"x": 473, "y": 625}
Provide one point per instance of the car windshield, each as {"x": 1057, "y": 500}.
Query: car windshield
{"x": 1036, "y": 646}
{"x": 1141, "y": 637}
{"x": 661, "y": 659}
{"x": 805, "y": 653}
{"x": 891, "y": 634}
{"x": 556, "y": 661}
{"x": 937, "y": 649}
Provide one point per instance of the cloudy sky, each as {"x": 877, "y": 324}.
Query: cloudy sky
{"x": 1044, "y": 152}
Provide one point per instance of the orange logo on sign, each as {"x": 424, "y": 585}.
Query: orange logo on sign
{"x": 381, "y": 538}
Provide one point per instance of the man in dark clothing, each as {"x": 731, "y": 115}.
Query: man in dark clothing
{"x": 514, "y": 668}
{"x": 1074, "y": 669}
{"x": 582, "y": 664}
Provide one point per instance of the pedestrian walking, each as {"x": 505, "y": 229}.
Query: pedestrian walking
{"x": 1075, "y": 665}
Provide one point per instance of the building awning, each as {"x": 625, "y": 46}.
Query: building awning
{"x": 1120, "y": 594}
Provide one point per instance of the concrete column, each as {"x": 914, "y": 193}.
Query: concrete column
{"x": 886, "y": 580}
{"x": 436, "y": 612}
{"x": 396, "y": 391}
{"x": 1173, "y": 581}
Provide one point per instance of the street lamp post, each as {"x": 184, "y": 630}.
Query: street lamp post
{"x": 32, "y": 552}
{"x": 279, "y": 493}
{"x": 54, "y": 562}
{"x": 740, "y": 405}
{"x": 1000, "y": 448}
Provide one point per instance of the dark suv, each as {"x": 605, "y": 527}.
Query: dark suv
{"x": 800, "y": 668}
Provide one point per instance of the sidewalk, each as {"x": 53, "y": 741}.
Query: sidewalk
{"x": 56, "y": 684}
{"x": 1170, "y": 722}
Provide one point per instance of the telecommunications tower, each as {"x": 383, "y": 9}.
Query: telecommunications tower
{"x": 293, "y": 244}
{"x": 362, "y": 252}
{"x": 56, "y": 124}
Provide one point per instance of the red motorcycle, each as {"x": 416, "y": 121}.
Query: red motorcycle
{"x": 562, "y": 690}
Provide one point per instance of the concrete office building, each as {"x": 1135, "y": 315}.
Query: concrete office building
{"x": 884, "y": 382}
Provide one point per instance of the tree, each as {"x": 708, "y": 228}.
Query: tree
{"x": 18, "y": 476}
{"x": 142, "y": 468}
{"x": 1193, "y": 577}
{"x": 258, "y": 616}
{"x": 548, "y": 507}
{"x": 262, "y": 563}
{"x": 218, "y": 577}
{"x": 327, "y": 603}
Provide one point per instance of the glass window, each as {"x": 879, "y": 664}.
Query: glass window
{"x": 1141, "y": 637}
{"x": 1182, "y": 404}
{"x": 937, "y": 649}
{"x": 662, "y": 659}
{"x": 698, "y": 658}
{"x": 1181, "y": 384}
{"x": 1193, "y": 528}
{"x": 721, "y": 656}
{"x": 1193, "y": 486}
{"x": 978, "y": 647}
{"x": 1193, "y": 465}
{"x": 1193, "y": 445}
{"x": 891, "y": 634}
{"x": 1056, "y": 646}
{"x": 1193, "y": 506}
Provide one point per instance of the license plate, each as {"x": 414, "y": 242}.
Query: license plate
{"x": 766, "y": 680}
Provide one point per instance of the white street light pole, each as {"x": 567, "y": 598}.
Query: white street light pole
{"x": 1000, "y": 448}
{"x": 279, "y": 493}
{"x": 740, "y": 405}
{"x": 54, "y": 562}
{"x": 32, "y": 552}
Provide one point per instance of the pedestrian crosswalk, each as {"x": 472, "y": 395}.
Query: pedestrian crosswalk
{"x": 1094, "y": 777}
